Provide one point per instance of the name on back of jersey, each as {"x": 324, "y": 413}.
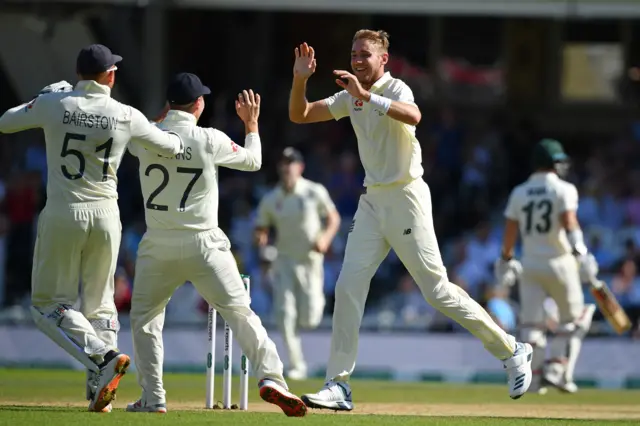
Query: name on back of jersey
{"x": 82, "y": 119}
{"x": 536, "y": 191}
{"x": 186, "y": 155}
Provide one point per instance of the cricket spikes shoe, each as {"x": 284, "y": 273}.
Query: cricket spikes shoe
{"x": 333, "y": 396}
{"x": 141, "y": 407}
{"x": 111, "y": 371}
{"x": 519, "y": 370}
{"x": 276, "y": 394}
{"x": 560, "y": 383}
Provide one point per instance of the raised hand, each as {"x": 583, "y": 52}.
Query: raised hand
{"x": 350, "y": 83}
{"x": 305, "y": 64}
{"x": 248, "y": 106}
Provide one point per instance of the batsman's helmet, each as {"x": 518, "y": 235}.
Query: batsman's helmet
{"x": 549, "y": 154}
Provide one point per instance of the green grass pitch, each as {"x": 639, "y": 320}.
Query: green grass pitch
{"x": 37, "y": 397}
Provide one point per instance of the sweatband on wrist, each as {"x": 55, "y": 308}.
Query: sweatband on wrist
{"x": 381, "y": 102}
{"x": 576, "y": 239}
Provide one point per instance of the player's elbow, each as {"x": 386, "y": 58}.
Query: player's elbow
{"x": 415, "y": 117}
{"x": 296, "y": 117}
{"x": 255, "y": 165}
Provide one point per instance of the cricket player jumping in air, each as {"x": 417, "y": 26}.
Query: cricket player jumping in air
{"x": 79, "y": 230}
{"x": 184, "y": 243}
{"x": 296, "y": 208}
{"x": 394, "y": 213}
{"x": 555, "y": 262}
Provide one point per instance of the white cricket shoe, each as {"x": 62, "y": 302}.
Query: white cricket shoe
{"x": 140, "y": 407}
{"x": 333, "y": 396}
{"x": 519, "y": 370}
{"x": 276, "y": 394}
{"x": 111, "y": 371}
{"x": 560, "y": 383}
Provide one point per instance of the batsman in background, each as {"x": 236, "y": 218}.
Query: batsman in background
{"x": 296, "y": 208}
{"x": 78, "y": 238}
{"x": 395, "y": 212}
{"x": 184, "y": 243}
{"x": 555, "y": 262}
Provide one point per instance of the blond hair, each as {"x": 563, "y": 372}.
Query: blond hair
{"x": 380, "y": 37}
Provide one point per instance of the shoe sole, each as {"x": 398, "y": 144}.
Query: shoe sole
{"x": 291, "y": 406}
{"x": 108, "y": 393}
{"x": 312, "y": 404}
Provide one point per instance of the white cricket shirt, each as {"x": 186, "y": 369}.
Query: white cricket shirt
{"x": 86, "y": 134}
{"x": 388, "y": 149}
{"x": 296, "y": 216}
{"x": 536, "y": 205}
{"x": 181, "y": 193}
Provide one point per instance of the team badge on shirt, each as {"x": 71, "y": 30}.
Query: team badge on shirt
{"x": 357, "y": 104}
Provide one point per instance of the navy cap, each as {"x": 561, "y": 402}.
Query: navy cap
{"x": 293, "y": 155}
{"x": 185, "y": 88}
{"x": 95, "y": 59}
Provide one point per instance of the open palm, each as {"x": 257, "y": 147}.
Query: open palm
{"x": 305, "y": 64}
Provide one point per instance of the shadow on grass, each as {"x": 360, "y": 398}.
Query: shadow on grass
{"x": 41, "y": 408}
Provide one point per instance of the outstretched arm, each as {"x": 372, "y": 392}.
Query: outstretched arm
{"x": 301, "y": 110}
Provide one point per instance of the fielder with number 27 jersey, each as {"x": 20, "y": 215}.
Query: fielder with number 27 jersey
{"x": 536, "y": 205}
{"x": 182, "y": 192}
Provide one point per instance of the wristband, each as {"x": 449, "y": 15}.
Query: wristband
{"x": 381, "y": 102}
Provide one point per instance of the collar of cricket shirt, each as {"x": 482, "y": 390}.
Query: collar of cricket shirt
{"x": 92, "y": 86}
{"x": 180, "y": 116}
{"x": 543, "y": 176}
{"x": 381, "y": 82}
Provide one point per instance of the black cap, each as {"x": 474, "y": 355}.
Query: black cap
{"x": 95, "y": 59}
{"x": 185, "y": 88}
{"x": 293, "y": 155}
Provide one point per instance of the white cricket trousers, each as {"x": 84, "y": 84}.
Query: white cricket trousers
{"x": 558, "y": 278}
{"x": 399, "y": 217}
{"x": 75, "y": 255}
{"x": 298, "y": 300}
{"x": 165, "y": 261}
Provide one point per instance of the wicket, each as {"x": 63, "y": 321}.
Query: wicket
{"x": 227, "y": 373}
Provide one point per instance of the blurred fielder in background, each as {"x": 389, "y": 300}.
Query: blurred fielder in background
{"x": 296, "y": 208}
{"x": 555, "y": 262}
{"x": 395, "y": 212}
{"x": 79, "y": 230}
{"x": 184, "y": 243}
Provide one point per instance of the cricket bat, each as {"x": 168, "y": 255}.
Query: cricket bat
{"x": 610, "y": 307}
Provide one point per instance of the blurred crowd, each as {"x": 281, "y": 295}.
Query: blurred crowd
{"x": 471, "y": 163}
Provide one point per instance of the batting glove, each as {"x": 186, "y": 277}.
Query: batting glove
{"x": 588, "y": 267}
{"x": 507, "y": 271}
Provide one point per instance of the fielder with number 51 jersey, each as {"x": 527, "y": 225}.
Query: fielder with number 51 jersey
{"x": 554, "y": 264}
{"x": 78, "y": 238}
{"x": 184, "y": 243}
